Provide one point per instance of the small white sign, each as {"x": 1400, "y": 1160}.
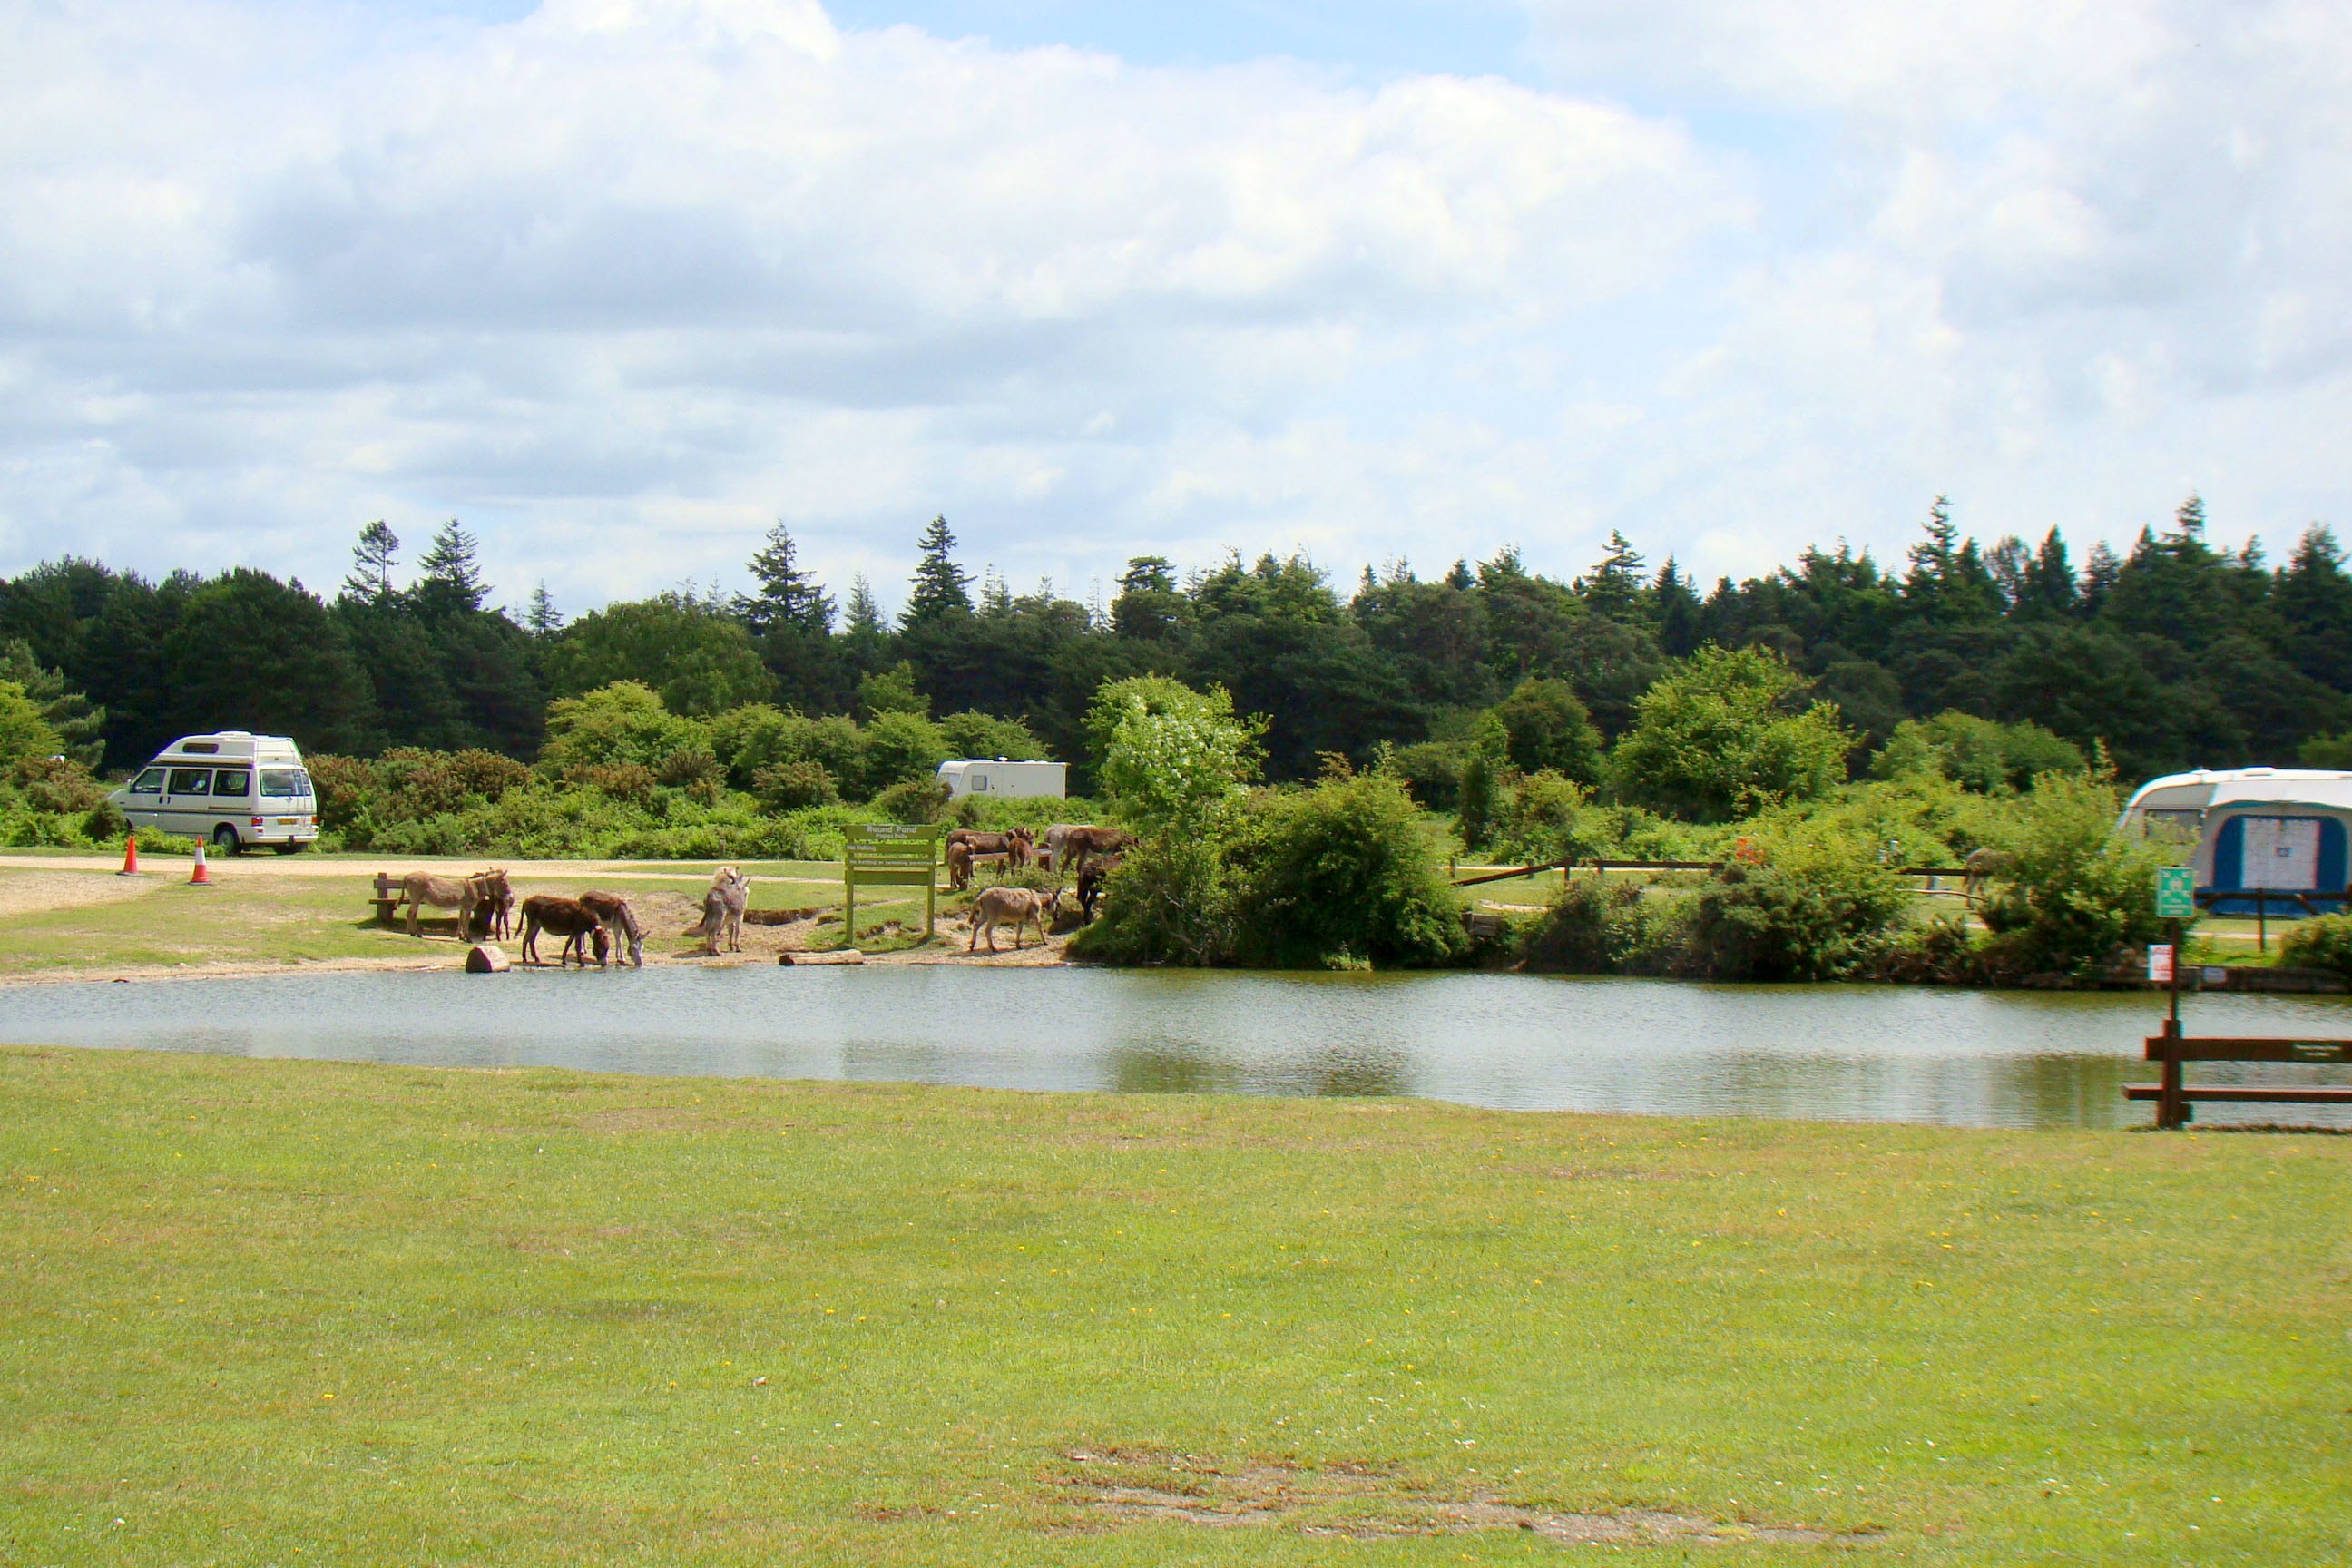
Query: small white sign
{"x": 2159, "y": 961}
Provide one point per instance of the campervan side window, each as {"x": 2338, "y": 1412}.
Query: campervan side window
{"x": 192, "y": 781}
{"x": 284, "y": 783}
{"x": 238, "y": 784}
{"x": 149, "y": 782}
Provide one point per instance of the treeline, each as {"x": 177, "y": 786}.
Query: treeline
{"x": 2174, "y": 653}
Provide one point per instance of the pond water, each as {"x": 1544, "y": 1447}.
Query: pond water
{"x": 1513, "y": 1042}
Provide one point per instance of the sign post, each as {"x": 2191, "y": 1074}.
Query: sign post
{"x": 888, "y": 854}
{"x": 2176, "y": 901}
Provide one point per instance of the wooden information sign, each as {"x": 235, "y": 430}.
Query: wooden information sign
{"x": 889, "y": 855}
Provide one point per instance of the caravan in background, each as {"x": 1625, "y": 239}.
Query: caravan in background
{"x": 2274, "y": 831}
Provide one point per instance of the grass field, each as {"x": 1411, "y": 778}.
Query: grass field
{"x": 300, "y": 1312}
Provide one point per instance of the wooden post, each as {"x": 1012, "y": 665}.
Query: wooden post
{"x": 2261, "y": 922}
{"x": 849, "y": 904}
{"x": 2171, "y": 1111}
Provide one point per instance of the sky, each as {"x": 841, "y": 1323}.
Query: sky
{"x": 620, "y": 283}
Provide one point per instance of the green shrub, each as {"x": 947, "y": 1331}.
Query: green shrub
{"x": 790, "y": 786}
{"x": 2074, "y": 892}
{"x": 1546, "y": 729}
{"x": 1976, "y": 753}
{"x": 916, "y": 800}
{"x": 2321, "y": 943}
{"x": 1717, "y": 740}
{"x": 1810, "y": 910}
{"x": 1541, "y": 818}
{"x": 57, "y": 784}
{"x": 901, "y": 748}
{"x": 1431, "y": 770}
{"x": 1600, "y": 925}
{"x": 1171, "y": 901}
{"x": 620, "y": 724}
{"x": 1474, "y": 818}
{"x": 976, "y": 734}
{"x": 1341, "y": 876}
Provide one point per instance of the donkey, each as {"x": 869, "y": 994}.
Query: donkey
{"x": 1078, "y": 844}
{"x": 613, "y": 911}
{"x": 722, "y": 910}
{"x": 418, "y": 888}
{"x": 496, "y": 902}
{"x": 1091, "y": 880}
{"x": 567, "y": 918}
{"x": 1981, "y": 867}
{"x": 1018, "y": 844}
{"x": 1015, "y": 907}
{"x": 959, "y": 866}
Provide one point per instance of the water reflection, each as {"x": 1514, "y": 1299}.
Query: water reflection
{"x": 1517, "y": 1042}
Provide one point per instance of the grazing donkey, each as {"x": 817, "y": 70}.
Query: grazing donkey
{"x": 613, "y": 911}
{"x": 1015, "y": 907}
{"x": 1981, "y": 867}
{"x": 567, "y": 918}
{"x": 418, "y": 888}
{"x": 722, "y": 910}
{"x": 959, "y": 866}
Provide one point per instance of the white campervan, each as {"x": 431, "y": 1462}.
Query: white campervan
{"x": 236, "y": 789}
{"x": 1005, "y": 780}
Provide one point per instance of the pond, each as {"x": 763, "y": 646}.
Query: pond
{"x": 1513, "y": 1042}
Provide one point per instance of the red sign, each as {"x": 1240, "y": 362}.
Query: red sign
{"x": 2159, "y": 961}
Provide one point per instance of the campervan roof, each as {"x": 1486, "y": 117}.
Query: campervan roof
{"x": 2210, "y": 787}
{"x": 236, "y": 743}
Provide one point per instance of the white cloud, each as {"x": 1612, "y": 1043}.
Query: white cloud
{"x": 619, "y": 283}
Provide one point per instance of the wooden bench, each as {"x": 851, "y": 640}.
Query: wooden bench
{"x": 2174, "y": 1096}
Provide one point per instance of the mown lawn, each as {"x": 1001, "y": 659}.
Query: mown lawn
{"x": 303, "y": 1312}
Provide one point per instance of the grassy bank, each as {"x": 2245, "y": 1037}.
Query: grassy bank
{"x": 271, "y": 912}
{"x": 286, "y": 1312}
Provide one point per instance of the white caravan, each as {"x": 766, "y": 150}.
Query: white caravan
{"x": 235, "y": 788}
{"x": 1005, "y": 780}
{"x": 2279, "y": 834}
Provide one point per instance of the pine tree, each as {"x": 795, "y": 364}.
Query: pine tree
{"x": 79, "y": 722}
{"x": 865, "y": 635}
{"x": 542, "y": 616}
{"x": 788, "y": 596}
{"x": 449, "y": 582}
{"x": 372, "y": 561}
{"x": 942, "y": 589}
{"x": 1614, "y": 588}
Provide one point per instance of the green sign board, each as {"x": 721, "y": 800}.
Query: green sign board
{"x": 2176, "y": 893}
{"x": 888, "y": 854}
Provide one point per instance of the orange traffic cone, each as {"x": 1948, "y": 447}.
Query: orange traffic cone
{"x": 130, "y": 856}
{"x": 201, "y": 877}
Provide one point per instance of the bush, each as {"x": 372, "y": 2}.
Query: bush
{"x": 902, "y": 748}
{"x": 1541, "y": 818}
{"x": 917, "y": 800}
{"x": 1602, "y": 926}
{"x": 345, "y": 788}
{"x": 2076, "y": 891}
{"x": 1340, "y": 876}
{"x": 411, "y": 783}
{"x": 56, "y": 784}
{"x": 619, "y": 724}
{"x": 2325, "y": 943}
{"x": 792, "y": 786}
{"x": 1808, "y": 911}
{"x": 1475, "y": 819}
{"x": 1549, "y": 731}
{"x": 1716, "y": 741}
{"x": 1169, "y": 753}
{"x": 1431, "y": 770}
{"x": 1976, "y": 753}
{"x": 1171, "y": 901}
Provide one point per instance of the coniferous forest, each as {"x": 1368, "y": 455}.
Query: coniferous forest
{"x": 2175, "y": 654}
